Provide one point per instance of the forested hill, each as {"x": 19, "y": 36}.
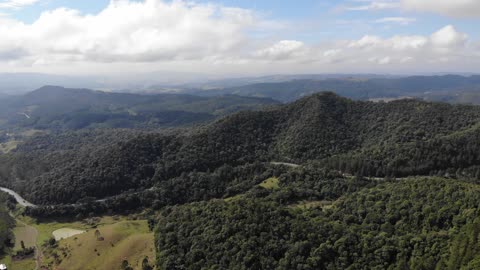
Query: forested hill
{"x": 451, "y": 88}
{"x": 58, "y": 108}
{"x": 405, "y": 137}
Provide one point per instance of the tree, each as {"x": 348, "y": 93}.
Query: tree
{"x": 146, "y": 265}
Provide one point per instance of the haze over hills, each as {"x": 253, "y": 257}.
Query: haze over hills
{"x": 222, "y": 171}
{"x": 448, "y": 88}
{"x": 239, "y": 134}
{"x": 58, "y": 108}
{"x": 316, "y": 128}
{"x": 220, "y": 174}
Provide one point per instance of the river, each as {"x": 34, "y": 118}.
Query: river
{"x": 19, "y": 198}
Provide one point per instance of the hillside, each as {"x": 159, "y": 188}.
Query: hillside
{"x": 422, "y": 223}
{"x": 372, "y": 139}
{"x": 450, "y": 88}
{"x": 376, "y": 186}
{"x": 58, "y": 108}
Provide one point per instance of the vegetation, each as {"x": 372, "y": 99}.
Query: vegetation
{"x": 59, "y": 109}
{"x": 378, "y": 186}
{"x": 394, "y": 139}
{"x": 6, "y": 224}
{"x": 410, "y": 224}
{"x": 104, "y": 247}
{"x": 447, "y": 88}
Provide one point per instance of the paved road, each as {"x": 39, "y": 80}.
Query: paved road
{"x": 19, "y": 198}
{"x": 285, "y": 164}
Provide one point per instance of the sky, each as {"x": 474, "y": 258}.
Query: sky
{"x": 239, "y": 37}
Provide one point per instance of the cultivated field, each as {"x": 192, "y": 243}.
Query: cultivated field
{"x": 65, "y": 233}
{"x": 106, "y": 247}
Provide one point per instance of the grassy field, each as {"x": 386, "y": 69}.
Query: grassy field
{"x": 8, "y": 146}
{"x": 65, "y": 233}
{"x": 121, "y": 239}
{"x": 26, "y": 234}
{"x": 104, "y": 247}
{"x": 28, "y": 264}
{"x": 270, "y": 183}
{"x": 46, "y": 229}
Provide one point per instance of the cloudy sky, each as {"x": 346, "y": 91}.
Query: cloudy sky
{"x": 239, "y": 37}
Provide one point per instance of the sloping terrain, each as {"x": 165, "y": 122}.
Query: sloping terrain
{"x": 450, "y": 88}
{"x": 74, "y": 166}
{"x": 58, "y": 108}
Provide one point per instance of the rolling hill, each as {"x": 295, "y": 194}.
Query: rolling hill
{"x": 434, "y": 88}
{"x": 58, "y": 108}
{"x": 376, "y": 186}
{"x": 375, "y": 139}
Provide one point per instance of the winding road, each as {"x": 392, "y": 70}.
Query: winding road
{"x": 19, "y": 198}
{"x": 25, "y": 203}
{"x": 291, "y": 165}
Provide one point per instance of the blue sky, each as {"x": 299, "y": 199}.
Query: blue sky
{"x": 322, "y": 13}
{"x": 290, "y": 36}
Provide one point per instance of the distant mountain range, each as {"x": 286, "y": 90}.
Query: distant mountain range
{"x": 450, "y": 88}
{"x": 53, "y": 107}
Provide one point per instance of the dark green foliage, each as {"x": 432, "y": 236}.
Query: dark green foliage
{"x": 411, "y": 224}
{"x": 6, "y": 223}
{"x": 449, "y": 88}
{"x": 400, "y": 138}
{"x": 60, "y": 109}
{"x": 323, "y": 215}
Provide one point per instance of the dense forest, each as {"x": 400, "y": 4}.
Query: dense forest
{"x": 448, "y": 88}
{"x": 394, "y": 139}
{"x": 321, "y": 183}
{"x": 55, "y": 108}
{"x": 422, "y": 223}
{"x": 6, "y": 223}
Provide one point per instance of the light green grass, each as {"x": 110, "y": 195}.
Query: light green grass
{"x": 45, "y": 230}
{"x": 26, "y": 234}
{"x": 65, "y": 233}
{"x": 130, "y": 240}
{"x": 8, "y": 146}
{"x": 27, "y": 264}
{"x": 33, "y": 132}
{"x": 270, "y": 183}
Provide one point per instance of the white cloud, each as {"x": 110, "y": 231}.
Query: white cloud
{"x": 374, "y": 5}
{"x": 332, "y": 52}
{"x": 147, "y": 36}
{"x": 131, "y": 31}
{"x": 380, "y": 60}
{"x": 441, "y": 50}
{"x": 398, "y": 20}
{"x": 16, "y": 4}
{"x": 396, "y": 43}
{"x": 453, "y": 8}
{"x": 448, "y": 37}
{"x": 444, "y": 39}
{"x": 282, "y": 50}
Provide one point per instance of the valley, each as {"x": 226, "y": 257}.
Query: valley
{"x": 308, "y": 182}
{"x": 239, "y": 135}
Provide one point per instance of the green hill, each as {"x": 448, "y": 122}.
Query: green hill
{"x": 449, "y": 88}
{"x": 400, "y": 138}
{"x": 58, "y": 108}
